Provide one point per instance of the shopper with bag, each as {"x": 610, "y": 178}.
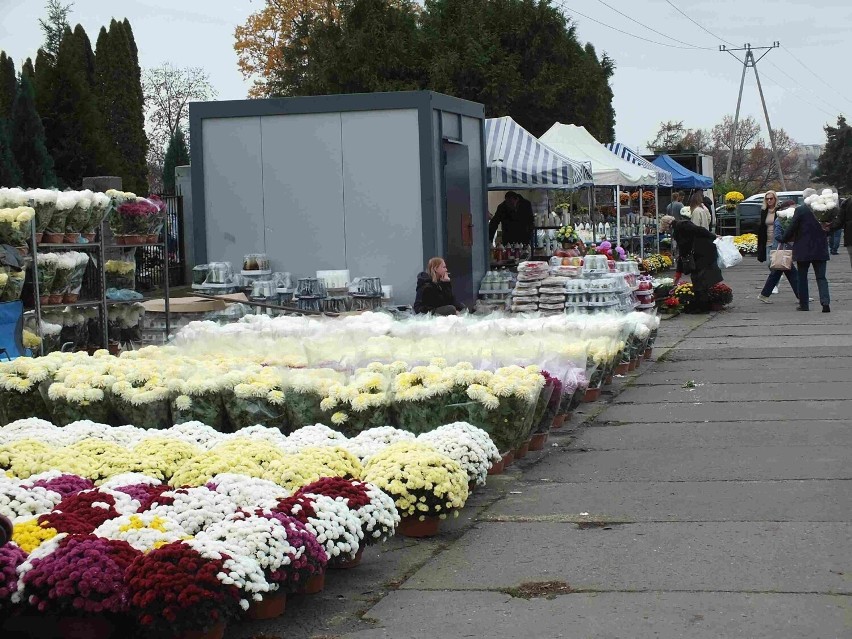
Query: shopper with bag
{"x": 698, "y": 257}
{"x": 810, "y": 247}
{"x": 780, "y": 258}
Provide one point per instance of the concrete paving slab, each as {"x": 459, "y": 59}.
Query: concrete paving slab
{"x": 758, "y": 363}
{"x": 697, "y": 464}
{"x": 647, "y": 615}
{"x": 803, "y": 501}
{"x": 728, "y": 412}
{"x": 725, "y": 353}
{"x": 711, "y": 330}
{"x": 768, "y": 375}
{"x": 756, "y": 390}
{"x": 742, "y": 557}
{"x": 767, "y": 342}
{"x": 720, "y": 435}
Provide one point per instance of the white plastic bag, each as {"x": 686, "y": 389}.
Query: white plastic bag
{"x": 727, "y": 253}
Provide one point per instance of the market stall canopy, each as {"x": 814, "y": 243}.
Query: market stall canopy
{"x": 682, "y": 177}
{"x": 518, "y": 160}
{"x": 664, "y": 178}
{"x": 607, "y": 168}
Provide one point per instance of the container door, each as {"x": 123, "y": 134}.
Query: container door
{"x": 459, "y": 223}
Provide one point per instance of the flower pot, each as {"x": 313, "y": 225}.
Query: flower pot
{"x": 313, "y": 585}
{"x": 471, "y": 486}
{"x": 346, "y": 563}
{"x": 717, "y": 307}
{"x": 72, "y": 238}
{"x": 413, "y": 527}
{"x": 152, "y": 238}
{"x": 44, "y": 299}
{"x": 648, "y": 352}
{"x": 136, "y": 239}
{"x": 591, "y": 395}
{"x": 54, "y": 238}
{"x": 91, "y": 626}
{"x": 537, "y": 441}
{"x": 522, "y": 450}
{"x": 121, "y": 240}
{"x": 90, "y": 237}
{"x": 634, "y": 363}
{"x": 496, "y": 469}
{"x": 70, "y": 298}
{"x": 608, "y": 380}
{"x": 55, "y": 299}
{"x": 38, "y": 237}
{"x": 623, "y": 368}
{"x": 558, "y": 421}
{"x": 508, "y": 459}
{"x": 270, "y": 607}
{"x": 213, "y": 632}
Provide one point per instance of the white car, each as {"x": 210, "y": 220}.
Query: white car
{"x": 783, "y": 196}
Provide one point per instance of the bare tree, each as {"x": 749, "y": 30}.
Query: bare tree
{"x": 168, "y": 90}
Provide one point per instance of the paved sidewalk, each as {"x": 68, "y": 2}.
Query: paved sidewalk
{"x": 723, "y": 510}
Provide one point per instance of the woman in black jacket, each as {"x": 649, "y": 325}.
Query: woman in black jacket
{"x": 844, "y": 221}
{"x": 810, "y": 248}
{"x": 697, "y": 242}
{"x": 435, "y": 291}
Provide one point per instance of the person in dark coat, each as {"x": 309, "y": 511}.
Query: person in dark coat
{"x": 515, "y": 215}
{"x": 810, "y": 248}
{"x": 435, "y": 291}
{"x": 843, "y": 222}
{"x": 698, "y": 241}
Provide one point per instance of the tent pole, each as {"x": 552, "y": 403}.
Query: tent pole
{"x": 657, "y": 216}
{"x": 641, "y": 230}
{"x": 618, "y": 215}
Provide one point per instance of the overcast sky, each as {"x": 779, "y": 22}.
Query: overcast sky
{"x": 806, "y": 81}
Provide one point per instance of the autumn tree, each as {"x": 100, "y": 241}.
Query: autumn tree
{"x": 168, "y": 91}
{"x": 834, "y": 166}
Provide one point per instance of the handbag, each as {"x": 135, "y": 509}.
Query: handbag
{"x": 780, "y": 260}
{"x": 687, "y": 264}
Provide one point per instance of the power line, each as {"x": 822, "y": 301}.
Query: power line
{"x": 816, "y": 75}
{"x": 665, "y": 35}
{"x": 697, "y": 24}
{"x": 632, "y": 35}
{"x": 797, "y": 96}
{"x": 805, "y": 88}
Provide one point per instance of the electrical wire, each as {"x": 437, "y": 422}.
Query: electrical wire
{"x": 796, "y": 95}
{"x": 700, "y": 26}
{"x": 665, "y": 35}
{"x": 816, "y": 75}
{"x": 805, "y": 88}
{"x": 632, "y": 35}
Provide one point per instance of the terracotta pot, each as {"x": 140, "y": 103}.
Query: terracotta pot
{"x": 633, "y": 364}
{"x": 496, "y": 469}
{"x": 114, "y": 348}
{"x": 136, "y": 239}
{"x": 522, "y": 450}
{"x": 54, "y": 238}
{"x": 72, "y": 238}
{"x": 623, "y": 368}
{"x": 413, "y": 527}
{"x": 591, "y": 395}
{"x": 55, "y": 299}
{"x": 214, "y": 632}
{"x": 153, "y": 238}
{"x": 648, "y": 352}
{"x": 270, "y": 607}
{"x": 70, "y": 298}
{"x": 717, "y": 307}
{"x": 121, "y": 240}
{"x": 38, "y": 237}
{"x": 346, "y": 564}
{"x": 537, "y": 441}
{"x": 608, "y": 380}
{"x": 558, "y": 421}
{"x": 508, "y": 459}
{"x": 90, "y": 237}
{"x": 84, "y": 627}
{"x": 313, "y": 584}
{"x": 44, "y": 299}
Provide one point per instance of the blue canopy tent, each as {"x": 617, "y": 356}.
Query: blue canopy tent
{"x": 664, "y": 179}
{"x": 683, "y": 178}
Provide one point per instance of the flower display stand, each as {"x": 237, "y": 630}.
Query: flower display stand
{"x": 313, "y": 585}
{"x": 412, "y": 526}
{"x": 271, "y": 606}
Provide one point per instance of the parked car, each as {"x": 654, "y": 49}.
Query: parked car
{"x": 749, "y": 218}
{"x": 783, "y": 196}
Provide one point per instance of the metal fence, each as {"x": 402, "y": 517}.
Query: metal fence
{"x": 149, "y": 259}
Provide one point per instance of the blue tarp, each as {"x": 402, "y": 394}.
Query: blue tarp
{"x": 682, "y": 177}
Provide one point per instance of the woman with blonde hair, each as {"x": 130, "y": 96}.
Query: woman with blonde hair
{"x": 768, "y": 239}
{"x": 435, "y": 291}
{"x": 700, "y": 216}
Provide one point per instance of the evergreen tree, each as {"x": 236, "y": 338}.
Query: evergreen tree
{"x": 54, "y": 27}
{"x": 177, "y": 154}
{"x": 834, "y": 166}
{"x": 120, "y": 98}
{"x": 77, "y": 137}
{"x": 29, "y": 71}
{"x": 28, "y": 145}
{"x": 44, "y": 85}
{"x": 88, "y": 55}
{"x": 8, "y": 85}
{"x": 9, "y": 173}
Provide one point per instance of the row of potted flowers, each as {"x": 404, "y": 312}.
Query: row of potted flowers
{"x": 175, "y": 556}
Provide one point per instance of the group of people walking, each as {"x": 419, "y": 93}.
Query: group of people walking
{"x": 808, "y": 239}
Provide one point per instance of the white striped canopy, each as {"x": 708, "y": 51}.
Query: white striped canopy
{"x": 517, "y": 160}
{"x": 664, "y": 178}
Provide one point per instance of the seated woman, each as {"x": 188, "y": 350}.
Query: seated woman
{"x": 434, "y": 290}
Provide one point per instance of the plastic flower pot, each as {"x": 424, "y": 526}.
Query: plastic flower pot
{"x": 648, "y": 352}
{"x": 623, "y": 368}
{"x": 496, "y": 468}
{"x": 90, "y": 237}
{"x": 38, "y": 236}
{"x": 347, "y": 563}
{"x": 413, "y": 526}
{"x": 313, "y": 585}
{"x": 537, "y": 441}
{"x": 558, "y": 421}
{"x": 508, "y": 459}
{"x": 271, "y": 606}
{"x": 214, "y": 632}
{"x": 91, "y": 626}
{"x": 72, "y": 238}
{"x": 53, "y": 238}
{"x": 591, "y": 395}
{"x": 522, "y": 450}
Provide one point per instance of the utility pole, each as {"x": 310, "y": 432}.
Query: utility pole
{"x": 750, "y": 61}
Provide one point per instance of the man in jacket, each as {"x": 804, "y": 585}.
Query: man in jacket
{"x": 843, "y": 222}
{"x": 516, "y": 218}
{"x": 810, "y": 247}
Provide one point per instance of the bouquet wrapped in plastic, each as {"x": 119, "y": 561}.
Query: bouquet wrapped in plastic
{"x": 16, "y": 226}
